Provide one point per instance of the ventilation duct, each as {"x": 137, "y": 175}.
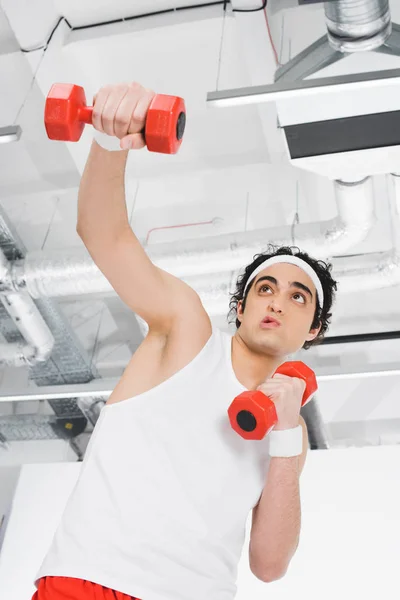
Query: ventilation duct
{"x": 227, "y": 254}
{"x": 69, "y": 362}
{"x": 357, "y": 25}
{"x": 39, "y": 341}
{"x": 352, "y": 26}
{"x": 47, "y": 276}
{"x": 39, "y": 335}
{"x": 354, "y": 274}
{"x": 377, "y": 270}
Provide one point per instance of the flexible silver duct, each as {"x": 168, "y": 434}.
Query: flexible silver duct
{"x": 30, "y": 323}
{"x": 357, "y": 25}
{"x": 354, "y": 274}
{"x": 25, "y": 325}
{"x": 52, "y": 275}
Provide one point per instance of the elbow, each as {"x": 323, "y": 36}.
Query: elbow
{"x": 269, "y": 575}
{"x": 80, "y": 230}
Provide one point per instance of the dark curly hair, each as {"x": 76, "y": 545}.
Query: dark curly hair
{"x": 322, "y": 314}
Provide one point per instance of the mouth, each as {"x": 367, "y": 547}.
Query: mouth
{"x": 270, "y": 323}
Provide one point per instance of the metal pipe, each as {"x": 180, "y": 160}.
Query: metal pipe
{"x": 357, "y": 25}
{"x": 55, "y": 274}
{"x": 361, "y": 337}
{"x": 317, "y": 434}
{"x": 68, "y": 361}
{"x": 30, "y": 323}
{"x": 379, "y": 270}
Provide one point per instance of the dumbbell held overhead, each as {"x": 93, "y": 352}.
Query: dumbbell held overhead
{"x": 253, "y": 415}
{"x": 66, "y": 114}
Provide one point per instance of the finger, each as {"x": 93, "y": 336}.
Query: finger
{"x": 110, "y": 108}
{"x": 278, "y": 381}
{"x": 123, "y": 117}
{"x": 134, "y": 141}
{"x": 270, "y": 388}
{"x": 281, "y": 376}
{"x": 138, "y": 118}
{"x": 278, "y": 384}
{"x": 98, "y": 105}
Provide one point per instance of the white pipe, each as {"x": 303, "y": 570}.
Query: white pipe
{"x": 396, "y": 184}
{"x": 55, "y": 274}
{"x": 356, "y": 216}
{"x": 379, "y": 270}
{"x": 30, "y": 323}
{"x": 16, "y": 354}
{"x": 209, "y": 258}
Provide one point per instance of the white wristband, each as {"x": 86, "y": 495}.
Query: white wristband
{"x": 286, "y": 443}
{"x": 108, "y": 142}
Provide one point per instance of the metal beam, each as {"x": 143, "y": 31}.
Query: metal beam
{"x": 97, "y": 387}
{"x": 316, "y": 57}
{"x": 143, "y": 22}
{"x": 102, "y": 388}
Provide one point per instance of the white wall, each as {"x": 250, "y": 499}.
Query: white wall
{"x": 350, "y": 528}
{"x": 19, "y": 453}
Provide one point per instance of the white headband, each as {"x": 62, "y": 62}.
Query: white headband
{"x": 293, "y": 260}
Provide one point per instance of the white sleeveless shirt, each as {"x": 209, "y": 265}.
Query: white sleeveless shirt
{"x": 160, "y": 507}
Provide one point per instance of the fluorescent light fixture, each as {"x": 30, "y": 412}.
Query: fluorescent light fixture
{"x": 102, "y": 388}
{"x": 311, "y": 87}
{"x": 10, "y": 134}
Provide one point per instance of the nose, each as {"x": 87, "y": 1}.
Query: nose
{"x": 276, "y": 305}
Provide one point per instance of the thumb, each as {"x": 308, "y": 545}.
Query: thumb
{"x": 134, "y": 141}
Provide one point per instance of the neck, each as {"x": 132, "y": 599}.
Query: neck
{"x": 251, "y": 367}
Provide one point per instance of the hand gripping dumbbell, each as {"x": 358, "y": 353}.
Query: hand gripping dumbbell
{"x": 252, "y": 414}
{"x": 66, "y": 113}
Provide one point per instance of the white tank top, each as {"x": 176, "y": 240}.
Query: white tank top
{"x": 160, "y": 507}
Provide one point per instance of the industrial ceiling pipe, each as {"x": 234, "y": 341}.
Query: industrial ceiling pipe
{"x": 39, "y": 341}
{"x": 61, "y": 274}
{"x": 357, "y": 25}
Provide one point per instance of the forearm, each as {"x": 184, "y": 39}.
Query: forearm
{"x": 277, "y": 518}
{"x": 101, "y": 200}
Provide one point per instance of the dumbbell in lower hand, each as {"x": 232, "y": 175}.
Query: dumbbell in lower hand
{"x": 66, "y": 114}
{"x": 253, "y": 415}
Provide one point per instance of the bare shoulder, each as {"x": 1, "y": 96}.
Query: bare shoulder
{"x": 162, "y": 354}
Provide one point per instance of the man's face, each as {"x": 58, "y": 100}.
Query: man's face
{"x": 287, "y": 295}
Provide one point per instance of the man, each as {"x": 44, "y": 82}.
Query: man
{"x": 166, "y": 486}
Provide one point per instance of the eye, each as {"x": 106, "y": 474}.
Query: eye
{"x": 300, "y": 296}
{"x": 265, "y": 286}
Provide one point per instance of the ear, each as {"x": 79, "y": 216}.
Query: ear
{"x": 239, "y": 311}
{"x": 313, "y": 334}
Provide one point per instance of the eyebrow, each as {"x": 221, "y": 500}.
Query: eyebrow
{"x": 296, "y": 284}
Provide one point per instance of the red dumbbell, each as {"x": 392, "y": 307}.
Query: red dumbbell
{"x": 252, "y": 414}
{"x": 66, "y": 113}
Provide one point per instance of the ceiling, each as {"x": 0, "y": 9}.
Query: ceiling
{"x": 232, "y": 173}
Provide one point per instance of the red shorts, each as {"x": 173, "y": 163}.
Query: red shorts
{"x": 68, "y": 588}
